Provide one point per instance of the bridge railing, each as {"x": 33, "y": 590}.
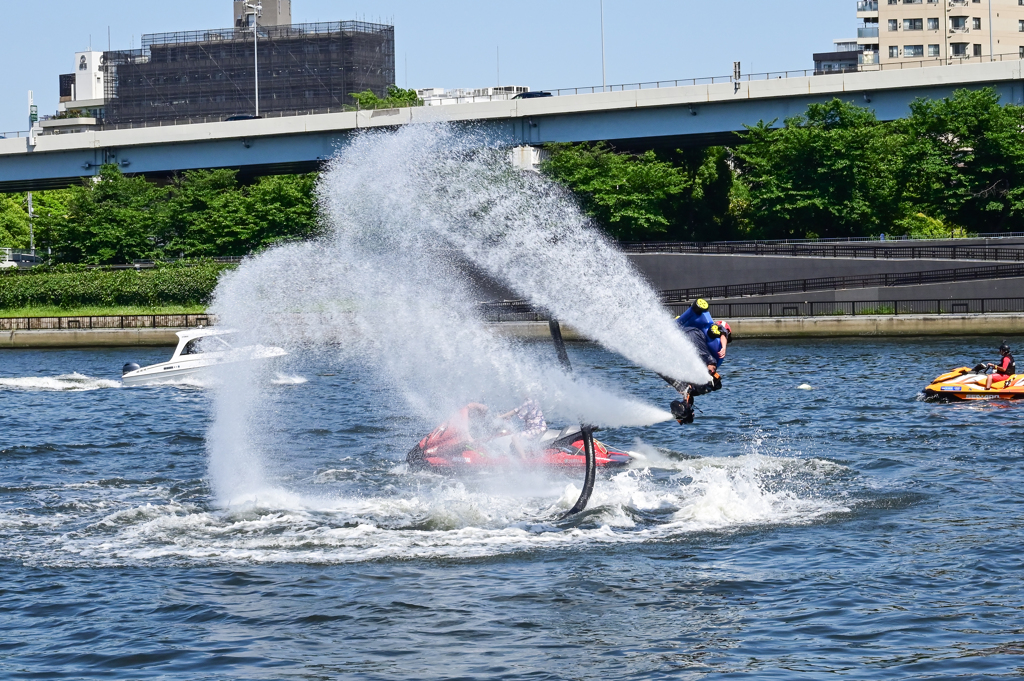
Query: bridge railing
{"x": 775, "y": 75}
{"x": 993, "y": 253}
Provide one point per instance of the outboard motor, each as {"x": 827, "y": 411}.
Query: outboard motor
{"x": 129, "y": 367}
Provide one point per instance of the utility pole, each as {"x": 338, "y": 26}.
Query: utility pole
{"x": 257, "y": 13}
{"x": 604, "y": 77}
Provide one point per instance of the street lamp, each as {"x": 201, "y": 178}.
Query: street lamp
{"x": 257, "y": 13}
{"x": 604, "y": 78}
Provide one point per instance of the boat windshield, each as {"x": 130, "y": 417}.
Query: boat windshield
{"x": 198, "y": 346}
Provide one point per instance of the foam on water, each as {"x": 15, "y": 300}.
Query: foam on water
{"x": 454, "y": 519}
{"x": 73, "y": 382}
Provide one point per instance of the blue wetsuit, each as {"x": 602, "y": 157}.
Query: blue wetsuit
{"x": 715, "y": 348}
{"x": 691, "y": 319}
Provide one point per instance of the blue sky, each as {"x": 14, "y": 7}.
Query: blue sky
{"x": 543, "y": 43}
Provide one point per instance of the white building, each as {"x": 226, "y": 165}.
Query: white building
{"x": 434, "y": 96}
{"x": 82, "y": 90}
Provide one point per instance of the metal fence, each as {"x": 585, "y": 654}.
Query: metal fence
{"x": 852, "y": 281}
{"x": 835, "y": 250}
{"x": 159, "y": 321}
{"x": 862, "y": 307}
{"x": 521, "y": 311}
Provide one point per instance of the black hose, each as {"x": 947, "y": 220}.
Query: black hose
{"x": 556, "y": 335}
{"x": 588, "y": 431}
{"x": 588, "y": 482}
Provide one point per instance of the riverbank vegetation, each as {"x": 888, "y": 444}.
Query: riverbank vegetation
{"x": 120, "y": 219}
{"x": 951, "y": 168}
{"x": 183, "y": 284}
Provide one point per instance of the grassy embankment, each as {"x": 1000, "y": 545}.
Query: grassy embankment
{"x": 68, "y": 291}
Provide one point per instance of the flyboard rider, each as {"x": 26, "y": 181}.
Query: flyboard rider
{"x": 710, "y": 339}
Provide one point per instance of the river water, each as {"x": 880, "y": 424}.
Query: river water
{"x": 850, "y": 529}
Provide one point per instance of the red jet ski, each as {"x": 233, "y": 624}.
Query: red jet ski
{"x": 469, "y": 440}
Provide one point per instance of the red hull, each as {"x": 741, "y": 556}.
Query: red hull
{"x": 450, "y": 447}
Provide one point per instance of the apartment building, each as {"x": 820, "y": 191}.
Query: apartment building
{"x": 906, "y": 30}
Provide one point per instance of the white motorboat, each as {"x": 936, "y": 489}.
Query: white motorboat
{"x": 197, "y": 351}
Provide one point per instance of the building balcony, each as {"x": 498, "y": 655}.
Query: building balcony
{"x": 960, "y": 29}
{"x": 867, "y": 57}
{"x": 958, "y": 3}
{"x": 867, "y": 32}
{"x": 867, "y": 5}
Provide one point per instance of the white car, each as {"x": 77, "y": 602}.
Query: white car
{"x": 197, "y": 350}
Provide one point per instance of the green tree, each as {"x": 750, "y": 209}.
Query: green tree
{"x": 13, "y": 221}
{"x": 203, "y": 210}
{"x": 278, "y": 208}
{"x": 822, "y": 174}
{"x": 702, "y": 211}
{"x": 112, "y": 219}
{"x": 965, "y": 161}
{"x": 628, "y": 194}
{"x": 396, "y": 98}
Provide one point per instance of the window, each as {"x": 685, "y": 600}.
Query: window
{"x": 933, "y": 50}
{"x": 894, "y": 24}
{"x": 977, "y": 50}
{"x": 1022, "y": 49}
{"x": 977, "y": 24}
{"x": 913, "y": 24}
{"x": 933, "y": 23}
{"x": 913, "y": 50}
{"x": 894, "y": 52}
{"x": 1020, "y": 25}
{"x": 958, "y": 49}
{"x": 958, "y": 23}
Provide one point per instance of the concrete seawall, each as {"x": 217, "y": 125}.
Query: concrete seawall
{"x": 831, "y": 327}
{"x": 879, "y": 325}
{"x": 774, "y": 327}
{"x": 89, "y": 338}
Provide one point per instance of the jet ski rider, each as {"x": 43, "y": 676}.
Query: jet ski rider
{"x": 533, "y": 425}
{"x": 1006, "y": 368}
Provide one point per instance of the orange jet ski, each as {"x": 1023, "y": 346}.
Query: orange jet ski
{"x": 969, "y": 384}
{"x": 468, "y": 441}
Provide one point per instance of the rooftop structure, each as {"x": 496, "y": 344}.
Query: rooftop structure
{"x": 209, "y": 75}
{"x": 441, "y": 96}
{"x": 82, "y": 89}
{"x": 842, "y": 59}
{"x": 275, "y": 13}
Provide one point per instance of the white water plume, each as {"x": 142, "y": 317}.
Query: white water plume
{"x": 74, "y": 382}
{"x": 408, "y": 215}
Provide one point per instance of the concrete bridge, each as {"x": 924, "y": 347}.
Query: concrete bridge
{"x": 641, "y": 118}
